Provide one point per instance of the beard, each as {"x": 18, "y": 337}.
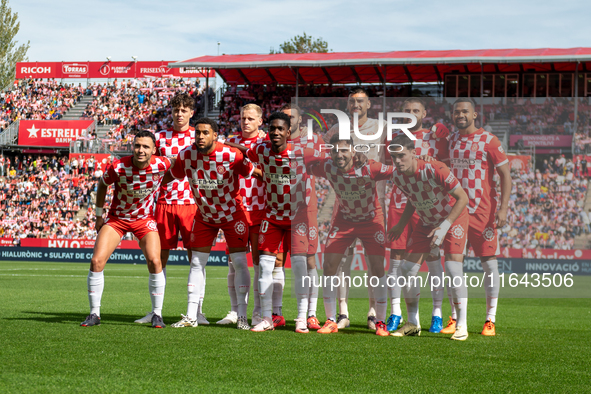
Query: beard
{"x": 205, "y": 149}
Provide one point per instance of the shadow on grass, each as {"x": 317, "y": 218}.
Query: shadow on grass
{"x": 73, "y": 318}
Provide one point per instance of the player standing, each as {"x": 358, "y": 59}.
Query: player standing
{"x": 252, "y": 191}
{"x": 431, "y": 189}
{"x": 175, "y": 208}
{"x": 300, "y": 138}
{"x": 214, "y": 169}
{"x": 137, "y": 179}
{"x": 286, "y": 217}
{"x": 359, "y": 104}
{"x": 359, "y": 216}
{"x": 474, "y": 156}
{"x": 432, "y": 143}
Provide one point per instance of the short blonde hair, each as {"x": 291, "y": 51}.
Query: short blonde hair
{"x": 254, "y": 107}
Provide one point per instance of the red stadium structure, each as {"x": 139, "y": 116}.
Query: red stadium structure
{"x": 475, "y": 73}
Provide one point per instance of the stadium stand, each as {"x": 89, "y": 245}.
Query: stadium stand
{"x": 37, "y": 99}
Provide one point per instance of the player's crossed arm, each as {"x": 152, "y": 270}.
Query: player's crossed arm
{"x": 440, "y": 232}
{"x": 395, "y": 232}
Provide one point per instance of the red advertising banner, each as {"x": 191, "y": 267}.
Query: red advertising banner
{"x": 70, "y": 243}
{"x": 553, "y": 140}
{"x": 519, "y": 162}
{"x": 51, "y": 132}
{"x": 123, "y": 70}
{"x": 102, "y": 160}
{"x": 581, "y": 254}
{"x": 6, "y": 242}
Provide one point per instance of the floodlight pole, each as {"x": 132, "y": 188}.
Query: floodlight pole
{"x": 384, "y": 90}
{"x": 297, "y": 70}
{"x": 576, "y": 99}
{"x": 481, "y": 95}
{"x": 206, "y": 92}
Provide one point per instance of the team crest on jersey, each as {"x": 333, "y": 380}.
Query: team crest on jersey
{"x": 301, "y": 229}
{"x": 409, "y": 243}
{"x": 240, "y": 227}
{"x": 457, "y": 231}
{"x": 261, "y": 239}
{"x": 293, "y": 164}
{"x": 427, "y": 187}
{"x": 380, "y": 237}
{"x": 360, "y": 181}
{"x": 152, "y": 225}
{"x": 221, "y": 169}
{"x": 425, "y": 145}
{"x": 313, "y": 232}
{"x": 474, "y": 147}
{"x": 488, "y": 234}
{"x": 155, "y": 178}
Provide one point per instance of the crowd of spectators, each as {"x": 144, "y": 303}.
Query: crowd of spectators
{"x": 37, "y": 99}
{"x": 132, "y": 105}
{"x": 546, "y": 207}
{"x": 41, "y": 197}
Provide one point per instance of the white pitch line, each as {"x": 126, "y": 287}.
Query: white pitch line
{"x": 107, "y": 276}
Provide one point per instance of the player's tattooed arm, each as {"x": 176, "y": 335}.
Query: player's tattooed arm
{"x": 168, "y": 177}
{"x": 101, "y": 193}
{"x": 258, "y": 174}
{"x": 241, "y": 148}
{"x": 506, "y": 185}
{"x": 395, "y": 232}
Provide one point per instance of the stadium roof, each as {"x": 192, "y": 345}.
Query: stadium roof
{"x": 390, "y": 67}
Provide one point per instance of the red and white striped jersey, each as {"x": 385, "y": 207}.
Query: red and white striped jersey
{"x": 285, "y": 179}
{"x": 251, "y": 189}
{"x": 310, "y": 143}
{"x": 428, "y": 190}
{"x": 428, "y": 144}
{"x": 214, "y": 180}
{"x": 355, "y": 190}
{"x": 170, "y": 143}
{"x": 473, "y": 159}
{"x": 135, "y": 188}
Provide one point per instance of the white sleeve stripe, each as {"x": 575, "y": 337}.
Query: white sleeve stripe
{"x": 501, "y": 163}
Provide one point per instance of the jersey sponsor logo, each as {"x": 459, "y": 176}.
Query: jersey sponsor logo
{"x": 221, "y": 169}
{"x": 208, "y": 184}
{"x": 457, "y": 231}
{"x": 384, "y": 169}
{"x": 351, "y": 195}
{"x": 281, "y": 179}
{"x": 488, "y": 234}
{"x": 380, "y": 237}
{"x": 151, "y": 225}
{"x": 141, "y": 193}
{"x": 313, "y": 232}
{"x": 462, "y": 164}
{"x": 240, "y": 227}
{"x": 301, "y": 229}
{"x": 501, "y": 149}
{"x": 425, "y": 204}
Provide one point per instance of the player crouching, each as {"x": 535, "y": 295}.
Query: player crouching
{"x": 429, "y": 187}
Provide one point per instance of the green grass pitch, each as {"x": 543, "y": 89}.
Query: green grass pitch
{"x": 542, "y": 345}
